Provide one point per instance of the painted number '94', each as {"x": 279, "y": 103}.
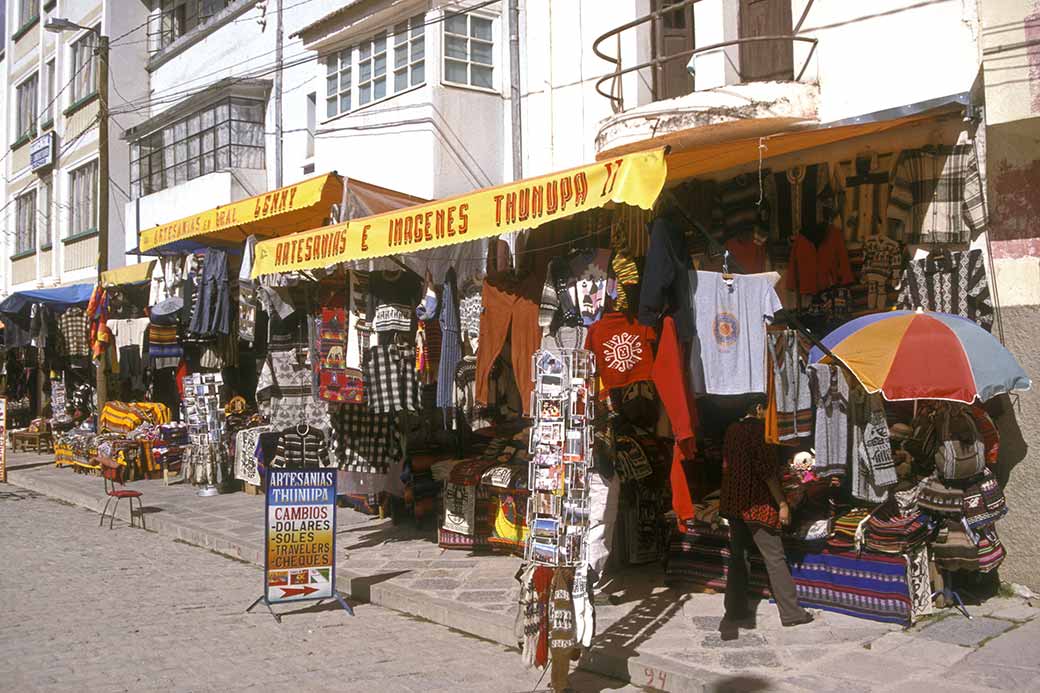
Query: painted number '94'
{"x": 655, "y": 679}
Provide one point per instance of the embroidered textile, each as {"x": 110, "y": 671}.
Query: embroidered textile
{"x": 451, "y": 345}
{"x": 831, "y": 393}
{"x": 920, "y": 581}
{"x": 788, "y": 355}
{"x": 283, "y": 392}
{"x": 873, "y": 469}
{"x": 301, "y": 447}
{"x": 864, "y": 184}
{"x": 874, "y": 587}
{"x": 959, "y": 287}
{"x": 245, "y": 454}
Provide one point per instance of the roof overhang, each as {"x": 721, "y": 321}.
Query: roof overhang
{"x": 247, "y": 89}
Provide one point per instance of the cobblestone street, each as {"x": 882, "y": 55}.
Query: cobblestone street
{"x": 88, "y": 609}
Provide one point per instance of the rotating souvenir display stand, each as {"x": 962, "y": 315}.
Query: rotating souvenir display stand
{"x": 205, "y": 418}
{"x": 561, "y": 446}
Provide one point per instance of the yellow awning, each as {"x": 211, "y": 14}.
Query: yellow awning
{"x": 131, "y": 274}
{"x": 712, "y": 158}
{"x": 635, "y": 179}
{"x": 286, "y": 210}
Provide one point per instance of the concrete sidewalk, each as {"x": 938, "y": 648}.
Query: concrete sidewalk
{"x": 654, "y": 637}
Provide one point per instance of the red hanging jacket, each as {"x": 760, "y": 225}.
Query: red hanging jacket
{"x": 682, "y": 412}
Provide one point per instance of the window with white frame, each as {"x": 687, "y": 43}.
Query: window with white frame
{"x": 84, "y": 67}
{"x": 225, "y": 134}
{"x": 468, "y": 50}
{"x": 363, "y": 74}
{"x": 48, "y": 92}
{"x": 312, "y": 123}
{"x": 371, "y": 62}
{"x": 28, "y": 10}
{"x": 25, "y": 116}
{"x": 409, "y": 53}
{"x": 178, "y": 17}
{"x": 46, "y": 195}
{"x": 83, "y": 194}
{"x": 338, "y": 85}
{"x": 25, "y": 223}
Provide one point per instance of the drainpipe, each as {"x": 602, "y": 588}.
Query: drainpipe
{"x": 279, "y": 33}
{"x": 514, "y": 91}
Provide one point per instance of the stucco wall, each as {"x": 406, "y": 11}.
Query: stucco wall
{"x": 559, "y": 71}
{"x": 1011, "y": 77}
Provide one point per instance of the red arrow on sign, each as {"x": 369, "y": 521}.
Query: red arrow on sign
{"x": 293, "y": 591}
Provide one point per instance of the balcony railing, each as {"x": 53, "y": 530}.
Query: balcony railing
{"x": 657, "y": 64}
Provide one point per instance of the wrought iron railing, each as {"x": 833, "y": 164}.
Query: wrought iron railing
{"x": 657, "y": 63}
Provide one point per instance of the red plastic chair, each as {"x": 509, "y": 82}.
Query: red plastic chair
{"x": 112, "y": 473}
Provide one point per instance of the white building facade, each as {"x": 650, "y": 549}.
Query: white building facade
{"x": 51, "y": 162}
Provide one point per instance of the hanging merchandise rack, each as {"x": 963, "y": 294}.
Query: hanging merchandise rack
{"x": 563, "y": 407}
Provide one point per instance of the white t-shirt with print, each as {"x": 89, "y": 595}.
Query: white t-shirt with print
{"x": 728, "y": 354}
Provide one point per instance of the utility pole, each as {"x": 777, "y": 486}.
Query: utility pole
{"x": 514, "y": 91}
{"x": 279, "y": 32}
{"x": 102, "y": 53}
{"x": 57, "y": 25}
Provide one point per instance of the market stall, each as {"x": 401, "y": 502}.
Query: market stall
{"x": 231, "y": 373}
{"x": 45, "y": 342}
{"x": 732, "y": 307}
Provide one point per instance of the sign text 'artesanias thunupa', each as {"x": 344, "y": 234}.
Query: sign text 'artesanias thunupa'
{"x": 634, "y": 179}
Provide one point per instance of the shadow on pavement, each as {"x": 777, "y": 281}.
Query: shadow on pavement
{"x": 621, "y": 640}
{"x": 739, "y": 684}
{"x": 318, "y": 607}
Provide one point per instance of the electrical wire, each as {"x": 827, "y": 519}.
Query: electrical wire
{"x": 68, "y": 145}
{"x": 47, "y": 108}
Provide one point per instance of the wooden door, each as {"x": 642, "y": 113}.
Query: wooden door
{"x": 674, "y": 35}
{"x": 765, "y": 60}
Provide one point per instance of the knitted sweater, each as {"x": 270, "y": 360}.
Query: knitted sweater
{"x": 301, "y": 447}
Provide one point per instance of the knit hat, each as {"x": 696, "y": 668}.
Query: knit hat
{"x": 900, "y": 431}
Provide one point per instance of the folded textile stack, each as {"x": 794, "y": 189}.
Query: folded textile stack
{"x": 76, "y": 447}
{"x": 874, "y": 587}
{"x": 163, "y": 348}
{"x": 174, "y": 433}
{"x": 845, "y": 528}
{"x": 887, "y": 531}
{"x": 698, "y": 555}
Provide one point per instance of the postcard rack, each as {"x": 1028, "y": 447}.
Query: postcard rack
{"x": 562, "y": 405}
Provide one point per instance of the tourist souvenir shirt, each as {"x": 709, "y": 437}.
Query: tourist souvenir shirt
{"x": 728, "y": 353}
{"x": 622, "y": 349}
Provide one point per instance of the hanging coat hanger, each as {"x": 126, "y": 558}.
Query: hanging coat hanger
{"x": 726, "y": 275}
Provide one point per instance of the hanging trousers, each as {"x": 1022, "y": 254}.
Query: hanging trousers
{"x": 741, "y": 536}
{"x": 509, "y": 312}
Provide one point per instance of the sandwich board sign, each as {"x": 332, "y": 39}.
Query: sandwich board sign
{"x": 300, "y": 537}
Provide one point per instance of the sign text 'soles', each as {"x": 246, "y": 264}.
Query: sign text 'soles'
{"x": 300, "y": 547}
